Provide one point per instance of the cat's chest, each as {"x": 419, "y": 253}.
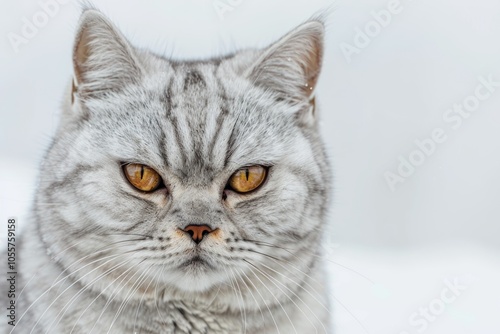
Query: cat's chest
{"x": 178, "y": 318}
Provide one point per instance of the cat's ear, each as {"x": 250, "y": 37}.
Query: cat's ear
{"x": 103, "y": 59}
{"x": 291, "y": 66}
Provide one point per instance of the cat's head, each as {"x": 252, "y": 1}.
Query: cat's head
{"x": 186, "y": 172}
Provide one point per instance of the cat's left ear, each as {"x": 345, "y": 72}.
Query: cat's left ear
{"x": 291, "y": 66}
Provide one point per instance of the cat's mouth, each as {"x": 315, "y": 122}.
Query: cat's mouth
{"x": 197, "y": 262}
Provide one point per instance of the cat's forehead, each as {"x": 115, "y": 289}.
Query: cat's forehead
{"x": 213, "y": 118}
{"x": 193, "y": 89}
{"x": 202, "y": 94}
{"x": 198, "y": 119}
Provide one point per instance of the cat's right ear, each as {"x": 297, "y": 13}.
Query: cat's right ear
{"x": 291, "y": 66}
{"x": 103, "y": 59}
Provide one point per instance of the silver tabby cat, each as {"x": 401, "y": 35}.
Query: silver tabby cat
{"x": 181, "y": 196}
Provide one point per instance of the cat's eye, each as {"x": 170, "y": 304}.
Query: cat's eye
{"x": 142, "y": 177}
{"x": 247, "y": 179}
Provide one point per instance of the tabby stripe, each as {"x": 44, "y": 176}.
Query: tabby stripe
{"x": 178, "y": 139}
{"x": 219, "y": 124}
{"x": 194, "y": 78}
{"x": 162, "y": 145}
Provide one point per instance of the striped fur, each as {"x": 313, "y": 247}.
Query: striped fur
{"x": 107, "y": 258}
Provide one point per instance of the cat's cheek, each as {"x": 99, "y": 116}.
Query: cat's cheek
{"x": 160, "y": 198}
{"x": 231, "y": 199}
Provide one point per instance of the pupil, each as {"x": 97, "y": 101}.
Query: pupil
{"x": 247, "y": 173}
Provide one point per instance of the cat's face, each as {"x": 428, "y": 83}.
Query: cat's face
{"x": 149, "y": 147}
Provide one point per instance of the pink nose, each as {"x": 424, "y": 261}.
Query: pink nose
{"x": 197, "y": 232}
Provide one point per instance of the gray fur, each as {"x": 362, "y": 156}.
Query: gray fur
{"x": 103, "y": 257}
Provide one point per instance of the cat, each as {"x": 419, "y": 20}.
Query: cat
{"x": 181, "y": 196}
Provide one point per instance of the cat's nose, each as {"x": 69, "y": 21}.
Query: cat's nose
{"x": 197, "y": 232}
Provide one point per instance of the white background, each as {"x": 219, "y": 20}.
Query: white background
{"x": 389, "y": 251}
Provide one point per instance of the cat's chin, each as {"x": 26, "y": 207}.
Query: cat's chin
{"x": 197, "y": 285}
{"x": 195, "y": 275}
{"x": 196, "y": 280}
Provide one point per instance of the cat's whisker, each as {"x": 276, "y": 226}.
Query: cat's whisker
{"x": 264, "y": 254}
{"x": 133, "y": 289}
{"x": 215, "y": 297}
{"x": 272, "y": 279}
{"x": 81, "y": 291}
{"x": 38, "y": 270}
{"x": 99, "y": 295}
{"x": 279, "y": 260}
{"x": 319, "y": 295}
{"x": 288, "y": 250}
{"x": 71, "y": 285}
{"x": 263, "y": 299}
{"x": 58, "y": 282}
{"x": 242, "y": 301}
{"x": 233, "y": 286}
{"x": 146, "y": 237}
{"x": 330, "y": 294}
{"x": 112, "y": 297}
{"x": 156, "y": 291}
{"x": 91, "y": 263}
{"x": 83, "y": 258}
{"x": 142, "y": 297}
{"x": 101, "y": 250}
{"x": 276, "y": 298}
{"x": 300, "y": 286}
{"x": 108, "y": 301}
{"x": 250, "y": 291}
{"x": 290, "y": 264}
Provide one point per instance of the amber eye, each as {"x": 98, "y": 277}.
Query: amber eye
{"x": 247, "y": 179}
{"x": 142, "y": 177}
